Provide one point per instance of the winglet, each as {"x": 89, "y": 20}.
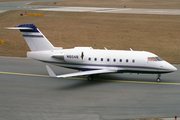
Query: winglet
{"x": 50, "y": 72}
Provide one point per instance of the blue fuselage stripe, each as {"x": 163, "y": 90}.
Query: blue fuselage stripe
{"x": 79, "y": 66}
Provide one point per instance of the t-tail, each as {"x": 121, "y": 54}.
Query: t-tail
{"x": 34, "y": 38}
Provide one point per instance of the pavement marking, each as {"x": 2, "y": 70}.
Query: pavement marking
{"x": 157, "y": 11}
{"x": 12, "y": 73}
{"x": 143, "y": 82}
{"x": 124, "y": 81}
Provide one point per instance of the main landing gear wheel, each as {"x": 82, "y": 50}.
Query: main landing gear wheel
{"x": 90, "y": 78}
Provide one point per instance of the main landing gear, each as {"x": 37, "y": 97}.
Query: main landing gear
{"x": 158, "y": 78}
{"x": 91, "y": 77}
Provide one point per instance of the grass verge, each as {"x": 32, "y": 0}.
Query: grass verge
{"x": 155, "y": 33}
{"x": 163, "y": 4}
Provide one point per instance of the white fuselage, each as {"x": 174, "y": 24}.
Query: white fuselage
{"x": 87, "y": 58}
{"x": 89, "y": 61}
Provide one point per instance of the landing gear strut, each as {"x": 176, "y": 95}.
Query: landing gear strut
{"x": 158, "y": 78}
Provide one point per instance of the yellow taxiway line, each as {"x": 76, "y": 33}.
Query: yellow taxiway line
{"x": 124, "y": 81}
{"x": 12, "y": 73}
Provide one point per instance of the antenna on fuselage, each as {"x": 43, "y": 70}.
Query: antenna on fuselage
{"x": 105, "y": 48}
{"x": 131, "y": 49}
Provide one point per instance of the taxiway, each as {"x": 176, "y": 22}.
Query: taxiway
{"x": 28, "y": 93}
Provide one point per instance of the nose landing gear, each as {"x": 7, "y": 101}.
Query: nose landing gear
{"x": 158, "y": 78}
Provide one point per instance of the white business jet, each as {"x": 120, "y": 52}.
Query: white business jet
{"x": 89, "y": 61}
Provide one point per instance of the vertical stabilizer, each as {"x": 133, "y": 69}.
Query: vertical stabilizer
{"x": 34, "y": 38}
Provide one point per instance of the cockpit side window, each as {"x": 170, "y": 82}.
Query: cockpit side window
{"x": 154, "y": 59}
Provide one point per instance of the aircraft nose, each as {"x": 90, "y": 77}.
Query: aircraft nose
{"x": 169, "y": 67}
{"x": 172, "y": 68}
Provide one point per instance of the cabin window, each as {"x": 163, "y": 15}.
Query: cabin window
{"x": 101, "y": 59}
{"x": 114, "y": 60}
{"x": 120, "y": 60}
{"x": 108, "y": 59}
{"x": 127, "y": 60}
{"x": 95, "y": 59}
{"x": 133, "y": 61}
{"x": 89, "y": 59}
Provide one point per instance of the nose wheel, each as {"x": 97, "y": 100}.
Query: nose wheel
{"x": 158, "y": 78}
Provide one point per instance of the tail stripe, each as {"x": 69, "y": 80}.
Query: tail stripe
{"x": 29, "y": 30}
{"x": 33, "y": 36}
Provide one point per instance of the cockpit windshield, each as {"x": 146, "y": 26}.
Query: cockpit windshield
{"x": 158, "y": 59}
{"x": 154, "y": 59}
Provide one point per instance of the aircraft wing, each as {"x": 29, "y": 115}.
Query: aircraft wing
{"x": 91, "y": 72}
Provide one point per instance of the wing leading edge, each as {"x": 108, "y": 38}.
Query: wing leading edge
{"x": 91, "y": 72}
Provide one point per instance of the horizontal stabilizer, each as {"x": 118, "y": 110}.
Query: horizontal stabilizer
{"x": 91, "y": 72}
{"x": 19, "y": 28}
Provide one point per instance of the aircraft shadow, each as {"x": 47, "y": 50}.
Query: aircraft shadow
{"x": 82, "y": 82}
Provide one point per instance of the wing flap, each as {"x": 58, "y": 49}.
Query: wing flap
{"x": 52, "y": 74}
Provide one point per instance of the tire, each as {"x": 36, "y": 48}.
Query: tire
{"x": 158, "y": 80}
{"x": 90, "y": 78}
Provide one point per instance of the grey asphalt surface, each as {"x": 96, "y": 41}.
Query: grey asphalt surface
{"x": 21, "y": 5}
{"x": 114, "y": 10}
{"x": 109, "y": 97}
